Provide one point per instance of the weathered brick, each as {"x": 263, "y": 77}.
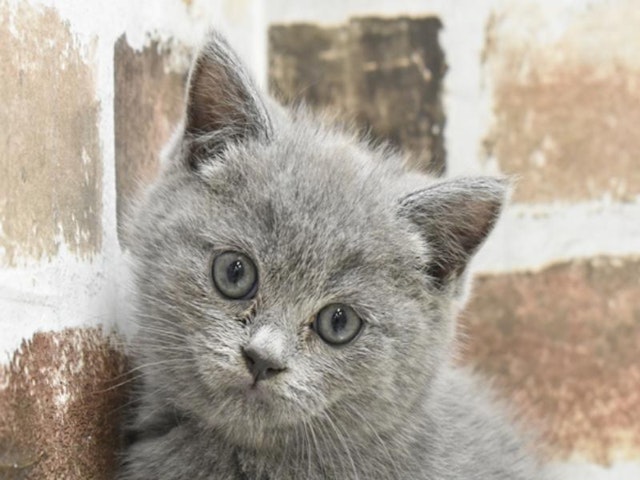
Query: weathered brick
{"x": 567, "y": 102}
{"x": 387, "y": 73}
{"x": 563, "y": 343}
{"x": 50, "y": 159}
{"x": 308, "y": 62}
{"x": 149, "y": 99}
{"x": 61, "y": 400}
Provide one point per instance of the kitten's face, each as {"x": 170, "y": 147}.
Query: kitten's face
{"x": 269, "y": 241}
{"x": 317, "y": 220}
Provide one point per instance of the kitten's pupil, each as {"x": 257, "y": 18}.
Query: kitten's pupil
{"x": 234, "y": 275}
{"x": 338, "y": 320}
{"x": 337, "y": 324}
{"x": 235, "y": 271}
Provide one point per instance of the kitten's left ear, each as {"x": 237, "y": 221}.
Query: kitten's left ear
{"x": 223, "y": 104}
{"x": 454, "y": 218}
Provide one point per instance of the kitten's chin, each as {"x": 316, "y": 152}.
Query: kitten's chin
{"x": 254, "y": 412}
{"x": 260, "y": 418}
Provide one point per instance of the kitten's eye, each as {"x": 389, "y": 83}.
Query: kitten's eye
{"x": 337, "y": 324}
{"x": 235, "y": 275}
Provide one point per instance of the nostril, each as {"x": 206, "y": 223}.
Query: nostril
{"x": 260, "y": 364}
{"x": 247, "y": 358}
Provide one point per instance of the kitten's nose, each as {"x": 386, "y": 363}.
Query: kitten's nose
{"x": 260, "y": 363}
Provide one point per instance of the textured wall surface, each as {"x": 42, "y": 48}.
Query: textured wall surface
{"x": 148, "y": 104}
{"x": 61, "y": 400}
{"x": 562, "y": 338}
{"x": 386, "y": 74}
{"x": 566, "y": 105}
{"x": 49, "y": 142}
{"x": 90, "y": 93}
{"x": 547, "y": 91}
{"x": 563, "y": 344}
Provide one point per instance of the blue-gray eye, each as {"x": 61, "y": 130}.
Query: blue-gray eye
{"x": 337, "y": 324}
{"x": 235, "y": 275}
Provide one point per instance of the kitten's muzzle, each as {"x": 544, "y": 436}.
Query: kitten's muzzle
{"x": 260, "y": 364}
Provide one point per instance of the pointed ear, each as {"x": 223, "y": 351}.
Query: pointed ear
{"x": 223, "y": 104}
{"x": 454, "y": 218}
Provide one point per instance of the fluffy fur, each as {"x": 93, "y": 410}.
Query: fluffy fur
{"x": 326, "y": 218}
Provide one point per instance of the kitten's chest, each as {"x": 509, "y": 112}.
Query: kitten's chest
{"x": 274, "y": 465}
{"x": 316, "y": 462}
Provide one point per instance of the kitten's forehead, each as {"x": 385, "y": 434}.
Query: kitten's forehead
{"x": 332, "y": 191}
{"x": 314, "y": 209}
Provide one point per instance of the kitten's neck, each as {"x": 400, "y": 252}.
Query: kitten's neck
{"x": 326, "y": 450}
{"x": 331, "y": 447}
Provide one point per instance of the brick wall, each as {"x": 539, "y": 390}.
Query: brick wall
{"x": 546, "y": 91}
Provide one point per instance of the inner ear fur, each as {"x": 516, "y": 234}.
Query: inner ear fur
{"x": 454, "y": 218}
{"x": 223, "y": 104}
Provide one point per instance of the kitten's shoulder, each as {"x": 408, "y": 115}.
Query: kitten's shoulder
{"x": 476, "y": 432}
{"x": 183, "y": 451}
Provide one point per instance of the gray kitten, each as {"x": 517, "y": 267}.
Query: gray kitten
{"x": 297, "y": 292}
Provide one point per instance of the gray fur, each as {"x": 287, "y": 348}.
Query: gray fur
{"x": 327, "y": 219}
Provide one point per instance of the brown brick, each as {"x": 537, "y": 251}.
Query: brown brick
{"x": 50, "y": 159}
{"x": 61, "y": 400}
{"x": 564, "y": 344}
{"x": 149, "y": 99}
{"x": 566, "y": 111}
{"x": 385, "y": 73}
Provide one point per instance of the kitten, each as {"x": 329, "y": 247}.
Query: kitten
{"x": 297, "y": 292}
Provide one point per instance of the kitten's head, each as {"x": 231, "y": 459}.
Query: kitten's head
{"x": 288, "y": 272}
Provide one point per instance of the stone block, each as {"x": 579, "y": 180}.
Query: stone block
{"x": 566, "y": 100}
{"x": 563, "y": 343}
{"x": 386, "y": 74}
{"x": 61, "y": 399}
{"x": 50, "y": 158}
{"x": 148, "y": 104}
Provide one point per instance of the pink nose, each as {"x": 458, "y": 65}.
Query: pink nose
{"x": 260, "y": 364}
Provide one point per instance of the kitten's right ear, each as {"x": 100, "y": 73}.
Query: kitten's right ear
{"x": 454, "y": 217}
{"x": 223, "y": 104}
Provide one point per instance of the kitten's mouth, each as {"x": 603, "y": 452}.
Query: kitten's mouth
{"x": 256, "y": 391}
